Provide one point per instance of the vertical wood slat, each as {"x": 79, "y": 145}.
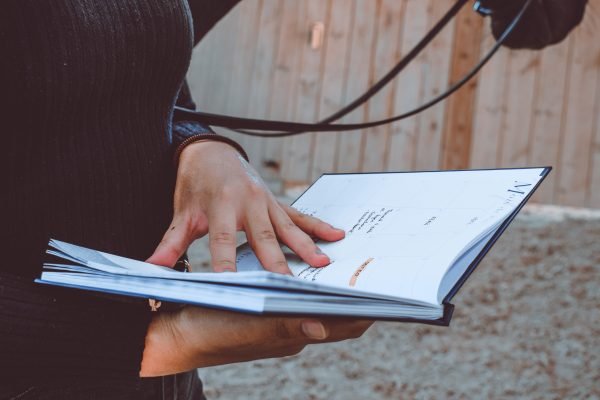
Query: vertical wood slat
{"x": 579, "y": 123}
{"x": 260, "y": 77}
{"x": 594, "y": 187}
{"x": 390, "y": 22}
{"x": 489, "y": 109}
{"x": 408, "y": 91}
{"x": 548, "y": 115}
{"x": 458, "y": 127}
{"x": 241, "y": 64}
{"x": 297, "y": 149}
{"x": 522, "y": 69}
{"x": 349, "y": 146}
{"x": 208, "y": 85}
{"x": 437, "y": 66}
{"x": 283, "y": 93}
{"x": 337, "y": 52}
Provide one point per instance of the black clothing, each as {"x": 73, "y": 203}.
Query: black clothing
{"x": 174, "y": 387}
{"x": 87, "y": 90}
{"x": 545, "y": 23}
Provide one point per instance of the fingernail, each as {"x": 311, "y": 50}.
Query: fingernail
{"x": 314, "y": 330}
{"x": 319, "y": 252}
{"x": 336, "y": 229}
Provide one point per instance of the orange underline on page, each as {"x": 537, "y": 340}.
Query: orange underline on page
{"x": 358, "y": 271}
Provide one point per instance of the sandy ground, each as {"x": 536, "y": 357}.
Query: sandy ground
{"x": 526, "y": 326}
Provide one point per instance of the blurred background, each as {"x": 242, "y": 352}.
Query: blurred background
{"x": 302, "y": 60}
{"x": 527, "y": 324}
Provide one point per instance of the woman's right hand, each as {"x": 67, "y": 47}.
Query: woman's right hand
{"x": 196, "y": 337}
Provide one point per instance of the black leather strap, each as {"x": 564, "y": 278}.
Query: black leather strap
{"x": 253, "y": 127}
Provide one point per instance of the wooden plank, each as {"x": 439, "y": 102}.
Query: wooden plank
{"x": 283, "y": 91}
{"x": 458, "y": 127}
{"x": 522, "y": 72}
{"x": 349, "y": 146}
{"x": 408, "y": 91}
{"x": 239, "y": 68}
{"x": 548, "y": 115}
{"x": 593, "y": 195}
{"x": 335, "y": 75}
{"x": 489, "y": 108}
{"x": 390, "y": 22}
{"x": 593, "y": 192}
{"x": 258, "y": 96}
{"x": 578, "y": 132}
{"x": 297, "y": 150}
{"x": 435, "y": 80}
{"x": 209, "y": 82}
{"x": 198, "y": 72}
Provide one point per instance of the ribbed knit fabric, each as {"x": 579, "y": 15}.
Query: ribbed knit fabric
{"x": 87, "y": 90}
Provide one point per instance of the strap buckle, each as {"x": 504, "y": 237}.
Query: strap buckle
{"x": 481, "y": 9}
{"x": 183, "y": 265}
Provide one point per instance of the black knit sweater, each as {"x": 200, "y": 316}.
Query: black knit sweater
{"x": 87, "y": 90}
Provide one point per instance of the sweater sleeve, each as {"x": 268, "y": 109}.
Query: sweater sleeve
{"x": 53, "y": 333}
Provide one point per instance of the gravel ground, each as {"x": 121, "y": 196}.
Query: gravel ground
{"x": 526, "y": 326}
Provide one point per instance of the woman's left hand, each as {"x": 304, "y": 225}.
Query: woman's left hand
{"x": 219, "y": 193}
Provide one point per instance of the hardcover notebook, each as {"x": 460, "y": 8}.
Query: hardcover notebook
{"x": 412, "y": 239}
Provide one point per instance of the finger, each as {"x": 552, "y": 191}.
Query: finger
{"x": 296, "y": 330}
{"x": 222, "y": 329}
{"x": 290, "y": 331}
{"x": 263, "y": 240}
{"x": 343, "y": 328}
{"x": 224, "y": 336}
{"x": 315, "y": 330}
{"x": 323, "y": 330}
{"x": 221, "y": 237}
{"x": 174, "y": 243}
{"x": 314, "y": 226}
{"x": 296, "y": 239}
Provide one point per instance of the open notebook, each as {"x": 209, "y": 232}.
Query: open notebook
{"x": 412, "y": 239}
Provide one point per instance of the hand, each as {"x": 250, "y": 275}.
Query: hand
{"x": 218, "y": 192}
{"x": 196, "y": 337}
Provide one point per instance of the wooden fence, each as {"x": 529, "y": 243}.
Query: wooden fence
{"x": 525, "y": 108}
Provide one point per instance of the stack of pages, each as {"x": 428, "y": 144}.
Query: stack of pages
{"x": 412, "y": 239}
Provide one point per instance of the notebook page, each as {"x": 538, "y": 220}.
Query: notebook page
{"x": 106, "y": 263}
{"x": 403, "y": 230}
{"x": 460, "y": 265}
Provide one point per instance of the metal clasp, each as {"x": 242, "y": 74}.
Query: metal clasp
{"x": 482, "y": 10}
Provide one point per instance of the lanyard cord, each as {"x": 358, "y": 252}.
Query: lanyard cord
{"x": 400, "y": 66}
{"x": 283, "y": 128}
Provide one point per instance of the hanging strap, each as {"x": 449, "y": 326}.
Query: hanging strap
{"x": 250, "y": 126}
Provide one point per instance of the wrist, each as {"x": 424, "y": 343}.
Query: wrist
{"x": 205, "y": 139}
{"x": 201, "y": 147}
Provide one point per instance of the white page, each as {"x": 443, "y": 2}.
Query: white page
{"x": 112, "y": 264}
{"x": 460, "y": 265}
{"x": 404, "y": 229}
{"x": 247, "y": 299}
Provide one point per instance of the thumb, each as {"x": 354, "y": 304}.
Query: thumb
{"x": 172, "y": 246}
{"x": 295, "y": 328}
